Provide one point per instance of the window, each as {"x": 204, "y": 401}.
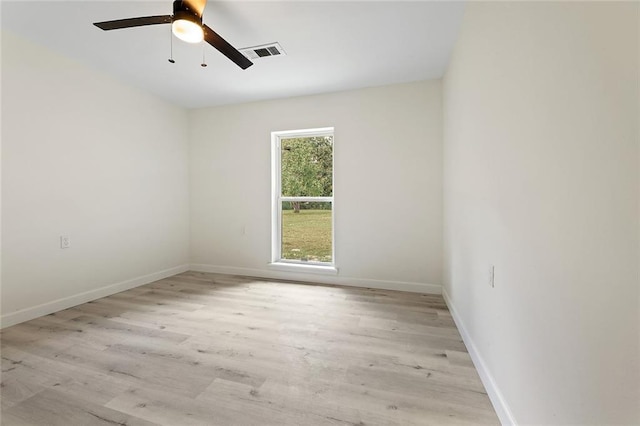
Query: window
{"x": 302, "y": 198}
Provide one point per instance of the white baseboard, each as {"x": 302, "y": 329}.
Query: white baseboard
{"x": 27, "y": 314}
{"x": 497, "y": 399}
{"x": 321, "y": 279}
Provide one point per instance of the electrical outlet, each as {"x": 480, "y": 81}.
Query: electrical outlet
{"x": 492, "y": 275}
{"x": 65, "y": 242}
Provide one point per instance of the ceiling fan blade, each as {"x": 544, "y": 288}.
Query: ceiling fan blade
{"x": 225, "y": 48}
{"x": 196, "y": 5}
{"x": 133, "y": 22}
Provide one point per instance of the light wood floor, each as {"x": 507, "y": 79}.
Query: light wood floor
{"x": 205, "y": 349}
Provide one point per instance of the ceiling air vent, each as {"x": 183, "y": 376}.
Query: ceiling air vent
{"x": 263, "y": 51}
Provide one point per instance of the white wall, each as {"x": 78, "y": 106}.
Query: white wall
{"x": 388, "y": 184}
{"x": 541, "y": 180}
{"x": 87, "y": 157}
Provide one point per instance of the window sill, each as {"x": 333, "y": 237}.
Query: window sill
{"x": 301, "y": 267}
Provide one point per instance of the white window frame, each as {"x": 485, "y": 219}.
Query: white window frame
{"x": 277, "y": 199}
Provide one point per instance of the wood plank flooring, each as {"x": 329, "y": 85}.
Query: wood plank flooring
{"x": 207, "y": 349}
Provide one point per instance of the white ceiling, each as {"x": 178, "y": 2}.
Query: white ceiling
{"x": 330, "y": 45}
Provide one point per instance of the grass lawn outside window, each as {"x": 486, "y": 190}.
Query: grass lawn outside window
{"x": 306, "y": 235}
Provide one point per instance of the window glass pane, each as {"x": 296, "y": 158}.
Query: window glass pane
{"x": 306, "y": 231}
{"x": 307, "y": 166}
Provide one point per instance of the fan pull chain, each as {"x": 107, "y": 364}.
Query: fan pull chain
{"x": 203, "y": 64}
{"x": 171, "y": 42}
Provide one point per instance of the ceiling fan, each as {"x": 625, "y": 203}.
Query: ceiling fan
{"x": 186, "y": 24}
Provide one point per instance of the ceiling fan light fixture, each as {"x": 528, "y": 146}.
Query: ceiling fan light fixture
{"x": 187, "y": 28}
{"x": 186, "y": 24}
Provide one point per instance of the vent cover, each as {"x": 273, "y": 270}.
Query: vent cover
{"x": 263, "y": 51}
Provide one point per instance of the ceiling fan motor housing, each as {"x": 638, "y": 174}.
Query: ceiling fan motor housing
{"x": 181, "y": 11}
